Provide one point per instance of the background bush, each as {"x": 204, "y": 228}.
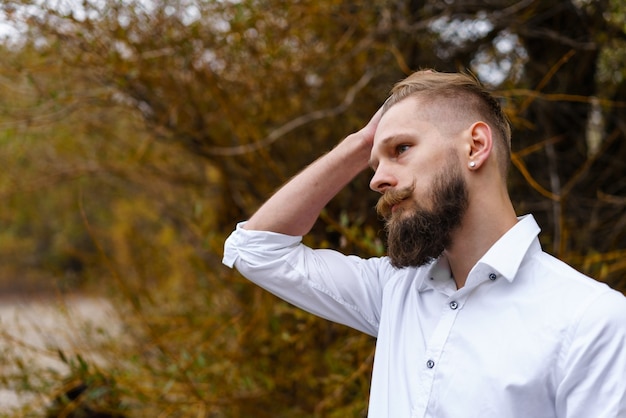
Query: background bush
{"x": 134, "y": 135}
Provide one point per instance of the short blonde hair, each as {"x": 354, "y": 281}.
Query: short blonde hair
{"x": 463, "y": 92}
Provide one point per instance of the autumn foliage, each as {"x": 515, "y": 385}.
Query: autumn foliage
{"x": 135, "y": 134}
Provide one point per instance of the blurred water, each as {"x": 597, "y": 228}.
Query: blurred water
{"x": 34, "y": 328}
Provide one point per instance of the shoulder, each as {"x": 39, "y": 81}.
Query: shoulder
{"x": 570, "y": 282}
{"x": 604, "y": 314}
{"x": 389, "y": 275}
{"x": 594, "y": 312}
{"x": 569, "y": 295}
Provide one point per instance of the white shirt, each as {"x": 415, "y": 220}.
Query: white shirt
{"x": 527, "y": 336}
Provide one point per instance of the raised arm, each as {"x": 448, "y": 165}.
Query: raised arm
{"x": 295, "y": 207}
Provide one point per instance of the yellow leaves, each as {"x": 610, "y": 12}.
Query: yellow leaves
{"x": 167, "y": 128}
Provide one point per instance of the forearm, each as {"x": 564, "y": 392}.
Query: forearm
{"x": 295, "y": 207}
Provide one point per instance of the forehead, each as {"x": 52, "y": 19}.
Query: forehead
{"x": 403, "y": 118}
{"x": 403, "y": 123}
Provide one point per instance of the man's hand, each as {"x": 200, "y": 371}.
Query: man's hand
{"x": 365, "y": 138}
{"x": 296, "y": 206}
{"x": 369, "y": 130}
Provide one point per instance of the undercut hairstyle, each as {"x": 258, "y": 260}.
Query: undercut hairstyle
{"x": 464, "y": 94}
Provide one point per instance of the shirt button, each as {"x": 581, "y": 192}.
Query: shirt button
{"x": 430, "y": 364}
{"x": 492, "y": 276}
{"x": 453, "y": 305}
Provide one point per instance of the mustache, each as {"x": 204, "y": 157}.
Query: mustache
{"x": 392, "y": 197}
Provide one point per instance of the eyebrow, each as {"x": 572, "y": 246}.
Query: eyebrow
{"x": 373, "y": 162}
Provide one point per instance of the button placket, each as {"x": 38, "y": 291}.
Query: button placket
{"x": 439, "y": 337}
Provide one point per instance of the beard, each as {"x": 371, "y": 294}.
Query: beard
{"x": 416, "y": 235}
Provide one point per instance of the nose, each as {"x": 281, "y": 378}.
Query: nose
{"x": 382, "y": 180}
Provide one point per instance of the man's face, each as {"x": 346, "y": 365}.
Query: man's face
{"x": 417, "y": 170}
{"x": 417, "y": 234}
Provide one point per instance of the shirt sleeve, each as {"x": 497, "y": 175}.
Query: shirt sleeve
{"x": 593, "y": 361}
{"x": 340, "y": 288}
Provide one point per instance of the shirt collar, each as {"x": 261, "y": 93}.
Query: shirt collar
{"x": 506, "y": 255}
{"x": 439, "y": 276}
{"x": 503, "y": 258}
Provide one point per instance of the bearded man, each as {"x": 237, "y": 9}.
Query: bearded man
{"x": 472, "y": 318}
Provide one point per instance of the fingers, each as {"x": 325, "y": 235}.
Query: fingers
{"x": 369, "y": 130}
{"x": 376, "y": 118}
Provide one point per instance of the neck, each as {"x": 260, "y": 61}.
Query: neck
{"x": 482, "y": 226}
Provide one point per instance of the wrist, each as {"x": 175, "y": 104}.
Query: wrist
{"x": 357, "y": 147}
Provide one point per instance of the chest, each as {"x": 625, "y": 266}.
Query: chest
{"x": 483, "y": 345}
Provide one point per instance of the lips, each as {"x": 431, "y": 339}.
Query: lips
{"x": 395, "y": 207}
{"x": 390, "y": 201}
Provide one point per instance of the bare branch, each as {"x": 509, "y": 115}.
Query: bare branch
{"x": 281, "y": 131}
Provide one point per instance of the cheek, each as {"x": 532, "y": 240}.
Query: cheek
{"x": 421, "y": 189}
{"x": 423, "y": 197}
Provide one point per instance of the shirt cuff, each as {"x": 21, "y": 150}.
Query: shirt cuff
{"x": 248, "y": 242}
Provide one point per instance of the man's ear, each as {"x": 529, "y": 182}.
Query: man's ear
{"x": 480, "y": 144}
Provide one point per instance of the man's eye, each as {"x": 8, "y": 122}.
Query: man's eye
{"x": 402, "y": 148}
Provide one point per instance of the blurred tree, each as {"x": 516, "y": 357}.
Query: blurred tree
{"x": 109, "y": 93}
